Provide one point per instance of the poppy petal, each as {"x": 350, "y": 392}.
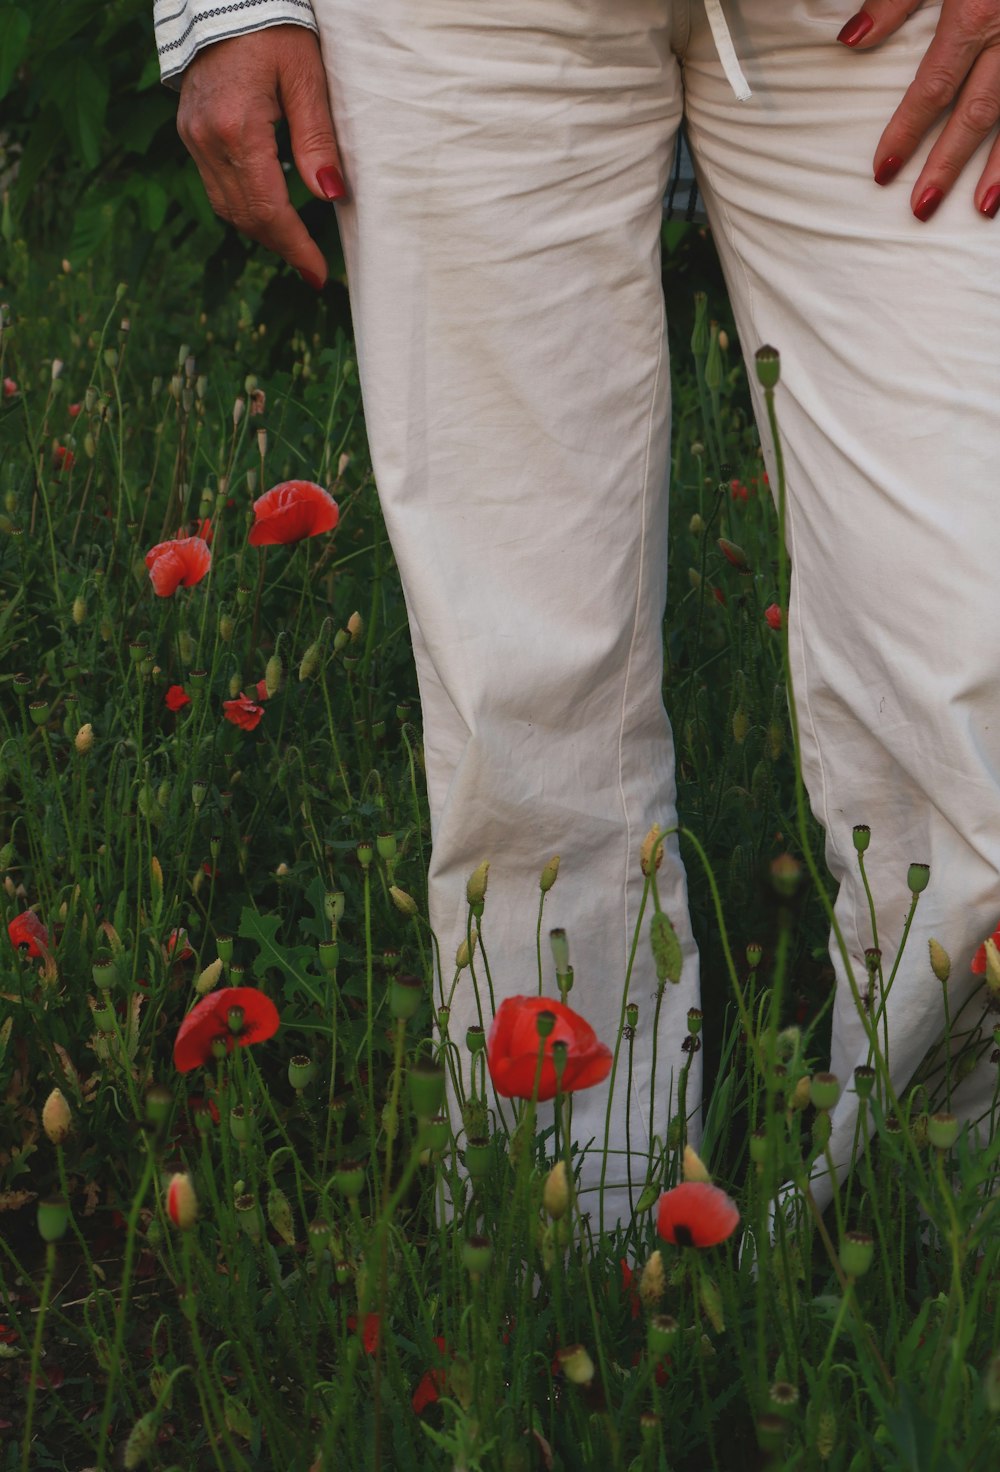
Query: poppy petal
{"x": 291, "y": 511}
{"x": 208, "y": 1023}
{"x": 177, "y": 564}
{"x": 696, "y": 1214}
{"x": 512, "y": 1050}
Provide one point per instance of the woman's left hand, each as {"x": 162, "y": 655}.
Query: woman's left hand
{"x": 961, "y": 71}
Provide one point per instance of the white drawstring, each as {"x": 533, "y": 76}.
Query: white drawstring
{"x": 727, "y": 51}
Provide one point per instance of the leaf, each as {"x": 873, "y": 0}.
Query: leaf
{"x": 15, "y": 26}
{"x": 291, "y": 961}
{"x": 80, "y": 96}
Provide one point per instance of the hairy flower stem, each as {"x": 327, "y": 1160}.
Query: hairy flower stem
{"x": 36, "y": 1354}
{"x": 131, "y": 1238}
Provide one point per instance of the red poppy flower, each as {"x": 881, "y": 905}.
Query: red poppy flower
{"x": 738, "y": 490}
{"x": 291, "y": 511}
{"x": 979, "y": 959}
{"x": 261, "y": 688}
{"x": 177, "y": 948}
{"x": 74, "y": 410}
{"x": 62, "y": 458}
{"x": 9, "y": 388}
{"x": 696, "y": 1214}
{"x": 513, "y": 1044}
{"x": 245, "y": 713}
{"x": 178, "y": 564}
{"x": 196, "y": 528}
{"x": 28, "y": 935}
{"x": 208, "y": 1023}
{"x": 370, "y": 1333}
{"x": 177, "y": 698}
{"x": 432, "y": 1382}
{"x": 772, "y": 616}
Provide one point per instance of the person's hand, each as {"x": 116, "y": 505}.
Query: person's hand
{"x": 961, "y": 67}
{"x": 232, "y": 95}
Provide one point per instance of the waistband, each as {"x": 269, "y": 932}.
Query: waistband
{"x": 727, "y": 51}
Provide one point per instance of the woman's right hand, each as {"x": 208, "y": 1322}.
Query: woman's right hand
{"x": 232, "y": 95}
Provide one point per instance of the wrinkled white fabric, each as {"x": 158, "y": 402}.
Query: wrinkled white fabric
{"x": 506, "y": 166}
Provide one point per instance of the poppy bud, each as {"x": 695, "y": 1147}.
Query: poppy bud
{"x": 940, "y": 960}
{"x": 693, "y": 1167}
{"x": 279, "y": 1214}
{"x": 355, "y": 626}
{"x": 667, "y": 955}
{"x": 576, "y": 1364}
{"x": 652, "y": 842}
{"x": 84, "y": 739}
{"x": 57, "y": 1120}
{"x": 79, "y": 610}
{"x": 141, "y": 1441}
{"x": 182, "y": 1203}
{"x": 653, "y": 1282}
{"x": 741, "y": 725}
{"x": 405, "y": 903}
{"x": 767, "y": 361}
{"x": 549, "y": 875}
{"x": 209, "y": 978}
{"x": 556, "y": 1194}
{"x": 992, "y": 966}
{"x": 696, "y": 525}
{"x": 464, "y": 953}
{"x": 262, "y": 442}
{"x": 227, "y": 627}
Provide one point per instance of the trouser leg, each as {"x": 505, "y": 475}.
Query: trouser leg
{"x": 889, "y": 333}
{"x": 506, "y": 167}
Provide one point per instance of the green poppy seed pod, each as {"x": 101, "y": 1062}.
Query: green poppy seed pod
{"x": 301, "y": 1071}
{"x": 224, "y": 946}
{"x": 940, "y": 960}
{"x": 333, "y": 906}
{"x": 754, "y": 952}
{"x": 544, "y": 1023}
{"x": 478, "y": 1157}
{"x": 632, "y": 1015}
{"x": 279, "y": 1214}
{"x": 405, "y": 995}
{"x": 158, "y": 1103}
{"x": 917, "y": 878}
{"x": 329, "y": 956}
{"x": 105, "y": 972}
{"x": 824, "y": 1090}
{"x": 661, "y": 1335}
{"x": 386, "y": 846}
{"x": 475, "y": 889}
{"x": 864, "y": 1081}
{"x": 247, "y": 1215}
{"x": 475, "y": 1038}
{"x": 862, "y": 837}
{"x": 856, "y": 1252}
{"x": 942, "y": 1130}
{"x": 53, "y": 1219}
{"x": 104, "y": 1016}
{"x": 199, "y": 791}
{"x": 39, "y": 711}
{"x": 771, "y": 1432}
{"x": 783, "y": 1397}
{"x": 426, "y": 1083}
{"x": 57, "y": 1117}
{"x": 649, "y": 1427}
{"x": 767, "y": 361}
{"x": 349, "y": 1179}
{"x": 695, "y": 1018}
{"x": 318, "y": 1235}
{"x": 365, "y": 852}
{"x": 477, "y": 1253}
{"x": 241, "y": 1122}
{"x": 549, "y": 874}
{"x": 341, "y": 639}
{"x": 342, "y": 1273}
{"x": 141, "y": 1441}
{"x": 759, "y": 1146}
{"x": 437, "y": 1132}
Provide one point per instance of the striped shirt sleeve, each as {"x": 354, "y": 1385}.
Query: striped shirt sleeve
{"x": 184, "y": 26}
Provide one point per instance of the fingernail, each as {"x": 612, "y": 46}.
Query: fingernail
{"x": 928, "y": 203}
{"x": 311, "y": 279}
{"x": 331, "y": 182}
{"x": 991, "y": 202}
{"x": 888, "y": 169}
{"x": 856, "y": 29}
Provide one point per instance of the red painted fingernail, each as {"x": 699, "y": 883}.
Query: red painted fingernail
{"x": 331, "y": 182}
{"x": 856, "y": 29}
{"x": 991, "y": 202}
{"x": 311, "y": 279}
{"x": 888, "y": 169}
{"x": 928, "y": 203}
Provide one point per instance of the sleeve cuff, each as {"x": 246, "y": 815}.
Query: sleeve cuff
{"x": 183, "y": 27}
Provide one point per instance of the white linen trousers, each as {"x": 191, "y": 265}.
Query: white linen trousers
{"x": 506, "y": 165}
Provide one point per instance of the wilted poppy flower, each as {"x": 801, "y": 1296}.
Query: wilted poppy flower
{"x": 261, "y": 688}
{"x": 28, "y": 935}
{"x": 208, "y": 1023}
{"x": 979, "y": 959}
{"x": 177, "y": 564}
{"x": 369, "y": 1333}
{"x": 513, "y": 1045}
{"x": 772, "y": 616}
{"x": 177, "y": 698}
{"x": 245, "y": 713}
{"x": 696, "y": 1214}
{"x": 9, "y": 388}
{"x": 62, "y": 458}
{"x": 291, "y": 511}
{"x": 177, "y": 948}
{"x": 431, "y": 1382}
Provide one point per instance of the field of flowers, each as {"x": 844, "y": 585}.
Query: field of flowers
{"x": 249, "y": 1216}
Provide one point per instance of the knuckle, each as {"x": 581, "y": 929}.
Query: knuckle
{"x": 936, "y": 88}
{"x": 981, "y": 112}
